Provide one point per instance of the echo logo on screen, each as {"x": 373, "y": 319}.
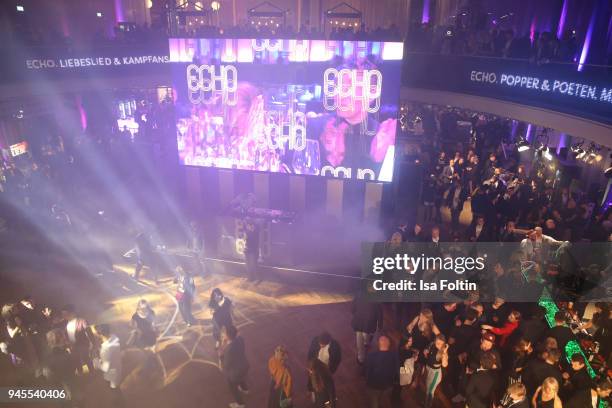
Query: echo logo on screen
{"x": 343, "y": 88}
{"x": 205, "y": 83}
{"x": 267, "y": 45}
{"x": 290, "y": 129}
{"x": 344, "y": 172}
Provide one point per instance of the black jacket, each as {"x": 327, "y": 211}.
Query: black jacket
{"x": 485, "y": 234}
{"x": 367, "y": 316}
{"x": 562, "y": 334}
{"x": 520, "y": 404}
{"x": 475, "y": 352}
{"x": 532, "y": 329}
{"x": 335, "y": 353}
{"x": 481, "y": 388}
{"x": 61, "y": 364}
{"x": 381, "y": 369}
{"x": 581, "y": 399}
{"x": 537, "y": 371}
{"x": 579, "y": 380}
{"x": 235, "y": 363}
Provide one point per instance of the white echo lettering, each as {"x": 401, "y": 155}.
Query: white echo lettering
{"x": 480, "y": 76}
{"x": 336, "y": 172}
{"x": 346, "y": 84}
{"x": 40, "y": 64}
{"x": 344, "y": 172}
{"x": 267, "y": 45}
{"x": 276, "y": 122}
{"x": 362, "y": 173}
{"x": 203, "y": 83}
{"x": 297, "y": 131}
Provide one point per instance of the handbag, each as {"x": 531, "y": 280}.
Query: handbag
{"x": 285, "y": 402}
{"x": 179, "y": 296}
{"x": 407, "y": 371}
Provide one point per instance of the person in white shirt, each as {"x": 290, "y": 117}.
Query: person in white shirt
{"x": 327, "y": 350}
{"x": 537, "y": 246}
{"x": 79, "y": 336}
{"x": 109, "y": 360}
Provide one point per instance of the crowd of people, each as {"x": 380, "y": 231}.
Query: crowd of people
{"x": 477, "y": 355}
{"x": 482, "y": 165}
{"x": 493, "y": 347}
{"x": 58, "y": 345}
{"x": 542, "y": 47}
{"x": 474, "y": 353}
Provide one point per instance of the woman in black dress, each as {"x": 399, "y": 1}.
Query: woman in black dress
{"x": 423, "y": 330}
{"x": 546, "y": 395}
{"x": 322, "y": 384}
{"x": 222, "y": 313}
{"x": 143, "y": 332}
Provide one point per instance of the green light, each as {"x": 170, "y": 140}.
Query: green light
{"x": 571, "y": 348}
{"x": 549, "y": 306}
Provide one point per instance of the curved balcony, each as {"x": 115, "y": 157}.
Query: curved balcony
{"x": 553, "y": 95}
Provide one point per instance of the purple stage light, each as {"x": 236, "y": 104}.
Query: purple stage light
{"x": 563, "y": 142}
{"x": 610, "y": 36}
{"x": 528, "y": 133}
{"x": 119, "y": 11}
{"x": 587, "y": 41}
{"x": 562, "y": 19}
{"x": 532, "y": 30}
{"x": 82, "y": 113}
{"x": 425, "y": 17}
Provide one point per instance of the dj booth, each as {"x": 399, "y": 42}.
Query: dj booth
{"x": 275, "y": 228}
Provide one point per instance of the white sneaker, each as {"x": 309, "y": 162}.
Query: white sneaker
{"x": 243, "y": 390}
{"x": 236, "y": 405}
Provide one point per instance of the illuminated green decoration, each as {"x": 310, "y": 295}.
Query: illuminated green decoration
{"x": 550, "y": 308}
{"x": 572, "y": 347}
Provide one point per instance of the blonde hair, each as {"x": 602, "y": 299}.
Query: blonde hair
{"x": 550, "y": 384}
{"x": 427, "y": 325}
{"x": 517, "y": 389}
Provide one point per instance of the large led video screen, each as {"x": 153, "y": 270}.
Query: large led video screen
{"x": 310, "y": 107}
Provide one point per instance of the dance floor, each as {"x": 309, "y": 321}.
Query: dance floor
{"x": 182, "y": 369}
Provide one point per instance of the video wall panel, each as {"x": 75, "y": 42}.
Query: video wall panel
{"x": 309, "y": 107}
